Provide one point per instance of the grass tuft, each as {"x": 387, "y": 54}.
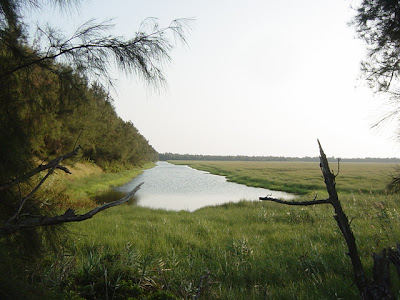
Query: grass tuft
{"x": 244, "y": 250}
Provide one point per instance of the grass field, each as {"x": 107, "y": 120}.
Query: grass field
{"x": 300, "y": 177}
{"x": 247, "y": 250}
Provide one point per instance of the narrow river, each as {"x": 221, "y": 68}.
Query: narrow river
{"x": 175, "y": 187}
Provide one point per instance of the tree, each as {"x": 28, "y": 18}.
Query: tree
{"x": 32, "y": 76}
{"x": 45, "y": 84}
{"x": 378, "y": 23}
{"x": 90, "y": 50}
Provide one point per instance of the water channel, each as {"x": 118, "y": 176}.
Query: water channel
{"x": 178, "y": 187}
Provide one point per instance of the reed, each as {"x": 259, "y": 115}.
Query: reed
{"x": 248, "y": 250}
{"x": 300, "y": 177}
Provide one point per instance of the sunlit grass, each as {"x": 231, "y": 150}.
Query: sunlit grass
{"x": 300, "y": 177}
{"x": 87, "y": 181}
{"x": 254, "y": 250}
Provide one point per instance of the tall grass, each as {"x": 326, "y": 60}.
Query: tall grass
{"x": 252, "y": 250}
{"x": 300, "y": 177}
{"x": 247, "y": 250}
{"x": 88, "y": 182}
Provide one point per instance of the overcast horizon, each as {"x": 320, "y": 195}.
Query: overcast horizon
{"x": 259, "y": 78}
{"x": 277, "y": 156}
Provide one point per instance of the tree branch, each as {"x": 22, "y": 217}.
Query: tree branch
{"x": 342, "y": 222}
{"x": 344, "y": 226}
{"x": 23, "y": 200}
{"x": 300, "y": 203}
{"x": 141, "y": 55}
{"x": 68, "y": 216}
{"x": 52, "y": 164}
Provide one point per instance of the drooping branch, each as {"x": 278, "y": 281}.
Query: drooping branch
{"x": 52, "y": 164}
{"x": 91, "y": 50}
{"x": 68, "y": 216}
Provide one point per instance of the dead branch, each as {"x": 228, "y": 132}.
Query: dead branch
{"x": 300, "y": 203}
{"x": 68, "y": 216}
{"x": 202, "y": 278}
{"x": 379, "y": 287}
{"x": 381, "y": 273}
{"x": 52, "y": 164}
{"x": 344, "y": 226}
{"x": 23, "y": 200}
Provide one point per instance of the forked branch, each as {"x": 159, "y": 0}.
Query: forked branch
{"x": 54, "y": 164}
{"x": 367, "y": 290}
{"x": 16, "y": 223}
{"x": 68, "y": 216}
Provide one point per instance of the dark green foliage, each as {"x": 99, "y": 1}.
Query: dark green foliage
{"x": 48, "y": 106}
{"x": 378, "y": 24}
{"x": 394, "y": 184}
{"x": 91, "y": 121}
{"x": 42, "y": 115}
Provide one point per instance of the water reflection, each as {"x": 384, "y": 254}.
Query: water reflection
{"x": 173, "y": 187}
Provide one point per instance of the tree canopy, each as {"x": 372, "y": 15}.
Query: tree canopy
{"x": 54, "y": 97}
{"x": 378, "y": 24}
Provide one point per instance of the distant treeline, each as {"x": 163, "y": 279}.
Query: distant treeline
{"x": 176, "y": 156}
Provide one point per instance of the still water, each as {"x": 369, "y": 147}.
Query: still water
{"x": 174, "y": 187}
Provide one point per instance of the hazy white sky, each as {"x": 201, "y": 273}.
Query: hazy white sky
{"x": 258, "y": 77}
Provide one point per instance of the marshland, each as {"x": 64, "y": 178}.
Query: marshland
{"x": 243, "y": 250}
{"x": 91, "y": 107}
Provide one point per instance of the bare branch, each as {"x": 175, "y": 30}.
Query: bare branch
{"x": 380, "y": 288}
{"x": 52, "y": 164}
{"x": 68, "y": 216}
{"x": 344, "y": 225}
{"x": 341, "y": 220}
{"x": 23, "y": 200}
{"x": 299, "y": 203}
{"x": 338, "y": 167}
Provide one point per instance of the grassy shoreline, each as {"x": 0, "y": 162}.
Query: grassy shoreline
{"x": 301, "y": 178}
{"x": 246, "y": 250}
{"x": 87, "y": 182}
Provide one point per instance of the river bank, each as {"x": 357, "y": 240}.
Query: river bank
{"x": 245, "y": 250}
{"x": 301, "y": 178}
{"x": 179, "y": 187}
{"x": 86, "y": 186}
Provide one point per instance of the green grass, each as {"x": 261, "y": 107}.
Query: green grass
{"x": 248, "y": 248}
{"x": 300, "y": 177}
{"x": 88, "y": 183}
{"x": 251, "y": 250}
{"x": 92, "y": 185}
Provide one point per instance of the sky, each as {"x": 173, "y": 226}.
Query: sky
{"x": 257, "y": 77}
